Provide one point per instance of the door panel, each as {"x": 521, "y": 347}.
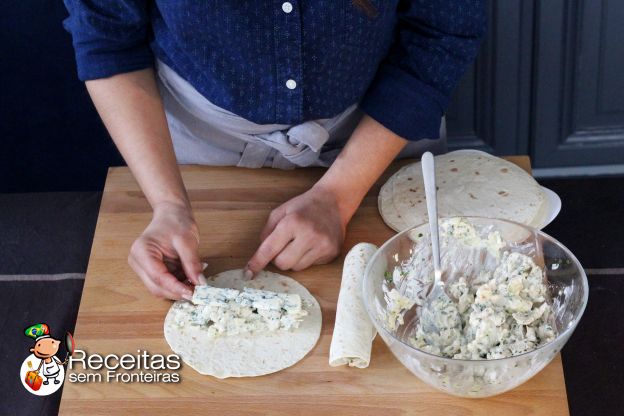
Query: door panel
{"x": 490, "y": 107}
{"x": 548, "y": 82}
{"x": 578, "y": 114}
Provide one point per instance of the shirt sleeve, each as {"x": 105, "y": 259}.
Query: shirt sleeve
{"x": 109, "y": 36}
{"x": 435, "y": 42}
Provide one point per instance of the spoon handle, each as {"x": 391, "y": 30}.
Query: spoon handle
{"x": 428, "y": 168}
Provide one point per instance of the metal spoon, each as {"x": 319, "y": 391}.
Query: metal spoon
{"x": 437, "y": 300}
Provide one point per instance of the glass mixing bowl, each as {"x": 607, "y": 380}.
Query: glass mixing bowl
{"x": 567, "y": 287}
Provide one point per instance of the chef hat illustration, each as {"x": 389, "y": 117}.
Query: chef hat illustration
{"x": 38, "y": 331}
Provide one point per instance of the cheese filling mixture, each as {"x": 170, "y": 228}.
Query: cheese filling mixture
{"x": 503, "y": 309}
{"x": 227, "y": 312}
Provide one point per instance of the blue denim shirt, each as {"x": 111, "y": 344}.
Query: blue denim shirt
{"x": 286, "y": 62}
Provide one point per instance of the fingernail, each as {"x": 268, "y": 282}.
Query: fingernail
{"x": 202, "y": 279}
{"x": 204, "y": 265}
{"x": 248, "y": 274}
{"x": 188, "y": 296}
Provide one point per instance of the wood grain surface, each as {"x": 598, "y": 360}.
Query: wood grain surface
{"x": 117, "y": 315}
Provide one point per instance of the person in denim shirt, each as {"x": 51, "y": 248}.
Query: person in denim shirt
{"x": 345, "y": 84}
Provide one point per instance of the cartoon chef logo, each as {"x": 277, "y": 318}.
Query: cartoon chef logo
{"x": 42, "y": 372}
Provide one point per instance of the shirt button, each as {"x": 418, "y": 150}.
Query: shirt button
{"x": 291, "y": 84}
{"x": 287, "y": 7}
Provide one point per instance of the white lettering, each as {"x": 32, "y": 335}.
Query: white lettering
{"x": 173, "y": 362}
{"x": 95, "y": 361}
{"x": 85, "y": 378}
{"x": 72, "y": 358}
{"x": 110, "y": 357}
{"x": 127, "y": 362}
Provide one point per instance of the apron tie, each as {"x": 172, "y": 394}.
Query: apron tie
{"x": 299, "y": 145}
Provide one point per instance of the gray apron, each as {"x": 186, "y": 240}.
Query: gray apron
{"x": 206, "y": 134}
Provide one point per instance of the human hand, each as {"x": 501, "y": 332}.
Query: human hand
{"x": 309, "y": 229}
{"x": 169, "y": 242}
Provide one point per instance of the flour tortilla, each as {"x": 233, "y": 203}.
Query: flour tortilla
{"x": 386, "y": 205}
{"x": 471, "y": 183}
{"x": 253, "y": 354}
{"x": 353, "y": 331}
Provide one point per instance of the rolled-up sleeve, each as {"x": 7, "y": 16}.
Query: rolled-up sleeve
{"x": 109, "y": 36}
{"x": 435, "y": 43}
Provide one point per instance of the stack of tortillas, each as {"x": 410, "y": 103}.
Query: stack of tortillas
{"x": 470, "y": 183}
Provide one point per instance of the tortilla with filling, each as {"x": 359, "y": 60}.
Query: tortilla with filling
{"x": 246, "y": 355}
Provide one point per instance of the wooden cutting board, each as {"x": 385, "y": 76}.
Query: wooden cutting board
{"x": 117, "y": 315}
